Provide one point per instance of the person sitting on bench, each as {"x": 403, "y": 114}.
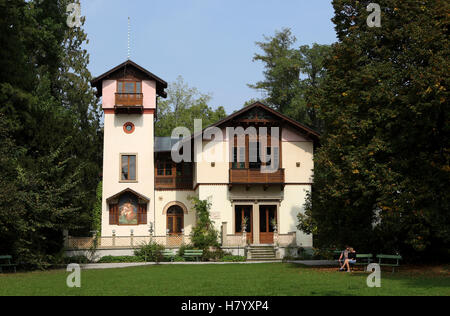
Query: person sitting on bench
{"x": 343, "y": 258}
{"x": 351, "y": 260}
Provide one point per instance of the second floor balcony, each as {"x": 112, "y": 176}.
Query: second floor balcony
{"x": 129, "y": 99}
{"x": 255, "y": 176}
{"x": 169, "y": 175}
{"x": 174, "y": 182}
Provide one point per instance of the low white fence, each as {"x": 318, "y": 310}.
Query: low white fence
{"x": 116, "y": 242}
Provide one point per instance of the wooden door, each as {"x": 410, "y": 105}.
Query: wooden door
{"x": 241, "y": 212}
{"x": 267, "y": 215}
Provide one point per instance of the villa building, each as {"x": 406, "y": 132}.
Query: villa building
{"x": 145, "y": 193}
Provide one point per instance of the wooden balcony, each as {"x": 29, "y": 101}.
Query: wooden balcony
{"x": 174, "y": 182}
{"x": 129, "y": 99}
{"x": 129, "y": 103}
{"x": 255, "y": 176}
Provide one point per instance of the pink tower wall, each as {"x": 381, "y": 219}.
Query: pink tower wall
{"x": 109, "y": 94}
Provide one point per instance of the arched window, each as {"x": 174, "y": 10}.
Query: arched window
{"x": 175, "y": 220}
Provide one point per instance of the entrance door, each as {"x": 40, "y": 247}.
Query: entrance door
{"x": 267, "y": 216}
{"x": 244, "y": 212}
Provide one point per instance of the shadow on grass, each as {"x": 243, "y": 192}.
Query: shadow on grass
{"x": 414, "y": 280}
{"x": 420, "y": 281}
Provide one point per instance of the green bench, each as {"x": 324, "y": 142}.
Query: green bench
{"x": 363, "y": 259}
{"x": 193, "y": 254}
{"x": 392, "y": 261}
{"x": 5, "y": 262}
{"x": 168, "y": 254}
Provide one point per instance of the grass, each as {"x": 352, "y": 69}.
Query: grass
{"x": 223, "y": 280}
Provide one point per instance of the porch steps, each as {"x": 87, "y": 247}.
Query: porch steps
{"x": 261, "y": 253}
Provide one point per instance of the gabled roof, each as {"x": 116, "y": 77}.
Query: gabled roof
{"x": 299, "y": 126}
{"x": 140, "y": 196}
{"x": 160, "y": 84}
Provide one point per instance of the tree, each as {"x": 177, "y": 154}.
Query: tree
{"x": 304, "y": 108}
{"x": 183, "y": 105}
{"x": 292, "y": 76}
{"x": 51, "y": 122}
{"x": 382, "y": 173}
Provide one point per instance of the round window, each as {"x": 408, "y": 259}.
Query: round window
{"x": 128, "y": 128}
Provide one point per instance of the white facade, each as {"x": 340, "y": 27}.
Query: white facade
{"x": 168, "y": 210}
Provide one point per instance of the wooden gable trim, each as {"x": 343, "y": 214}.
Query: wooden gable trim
{"x": 233, "y": 120}
{"x": 130, "y": 69}
{"x": 115, "y": 197}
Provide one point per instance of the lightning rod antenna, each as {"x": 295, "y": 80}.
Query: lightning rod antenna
{"x": 129, "y": 38}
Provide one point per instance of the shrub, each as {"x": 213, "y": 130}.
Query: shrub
{"x": 214, "y": 255}
{"x": 204, "y": 235}
{"x": 120, "y": 259}
{"x": 179, "y": 259}
{"x": 306, "y": 254}
{"x": 150, "y": 252}
{"x": 233, "y": 259}
{"x": 183, "y": 248}
{"x": 323, "y": 254}
{"x": 75, "y": 259}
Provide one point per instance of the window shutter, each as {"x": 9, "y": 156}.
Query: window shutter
{"x": 242, "y": 157}
{"x": 142, "y": 214}
{"x": 114, "y": 214}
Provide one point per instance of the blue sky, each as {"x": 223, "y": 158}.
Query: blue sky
{"x": 210, "y": 43}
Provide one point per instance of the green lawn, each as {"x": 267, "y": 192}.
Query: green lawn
{"x": 222, "y": 280}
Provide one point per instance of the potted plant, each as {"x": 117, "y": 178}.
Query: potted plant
{"x": 244, "y": 224}
{"x": 274, "y": 224}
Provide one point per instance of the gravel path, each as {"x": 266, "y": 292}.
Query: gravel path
{"x": 102, "y": 266}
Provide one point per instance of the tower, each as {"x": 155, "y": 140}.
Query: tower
{"x": 129, "y": 100}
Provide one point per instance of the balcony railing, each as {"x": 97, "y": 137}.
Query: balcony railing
{"x": 174, "y": 182}
{"x": 255, "y": 176}
{"x": 129, "y": 99}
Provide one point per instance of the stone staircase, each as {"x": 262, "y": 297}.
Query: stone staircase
{"x": 261, "y": 253}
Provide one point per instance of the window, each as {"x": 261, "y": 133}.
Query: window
{"x": 254, "y": 157}
{"x": 128, "y": 168}
{"x": 129, "y": 87}
{"x": 241, "y": 163}
{"x": 168, "y": 169}
{"x": 129, "y": 128}
{"x": 160, "y": 168}
{"x": 175, "y": 220}
{"x": 250, "y": 156}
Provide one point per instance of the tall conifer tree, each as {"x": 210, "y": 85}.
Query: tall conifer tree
{"x": 382, "y": 174}
{"x": 50, "y": 125}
